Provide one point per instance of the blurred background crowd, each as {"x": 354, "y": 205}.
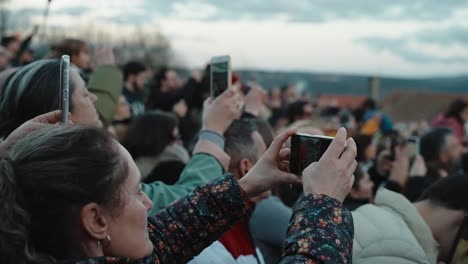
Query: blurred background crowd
{"x": 155, "y": 110}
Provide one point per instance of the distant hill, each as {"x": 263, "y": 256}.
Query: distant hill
{"x": 354, "y": 84}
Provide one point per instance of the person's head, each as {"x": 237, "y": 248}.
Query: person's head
{"x": 77, "y": 50}
{"x": 299, "y": 110}
{"x": 27, "y": 57}
{"x": 288, "y": 92}
{"x": 71, "y": 191}
{"x": 440, "y": 145}
{"x": 5, "y": 57}
{"x": 244, "y": 145}
{"x": 166, "y": 80}
{"x": 265, "y": 130}
{"x": 362, "y": 186}
{"x": 122, "y": 110}
{"x": 369, "y": 104}
{"x": 35, "y": 89}
{"x": 458, "y": 110}
{"x": 275, "y": 94}
{"x": 366, "y": 148}
{"x": 150, "y": 133}
{"x": 11, "y": 43}
{"x": 134, "y": 75}
{"x": 443, "y": 206}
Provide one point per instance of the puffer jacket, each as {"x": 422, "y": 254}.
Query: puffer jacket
{"x": 392, "y": 232}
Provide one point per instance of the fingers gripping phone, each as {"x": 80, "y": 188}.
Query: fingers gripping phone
{"x": 64, "y": 88}
{"x": 220, "y": 75}
{"x": 306, "y": 149}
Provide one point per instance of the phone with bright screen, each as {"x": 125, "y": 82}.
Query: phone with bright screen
{"x": 412, "y": 143}
{"x": 460, "y": 249}
{"x": 64, "y": 88}
{"x": 306, "y": 149}
{"x": 220, "y": 75}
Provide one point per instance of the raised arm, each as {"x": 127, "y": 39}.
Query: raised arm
{"x": 187, "y": 226}
{"x": 209, "y": 160}
{"x": 321, "y": 230}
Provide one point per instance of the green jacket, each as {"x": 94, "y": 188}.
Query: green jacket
{"x": 106, "y": 83}
{"x": 201, "y": 169}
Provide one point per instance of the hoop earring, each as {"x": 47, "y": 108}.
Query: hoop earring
{"x": 106, "y": 242}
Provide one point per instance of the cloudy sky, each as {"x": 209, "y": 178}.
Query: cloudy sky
{"x": 410, "y": 38}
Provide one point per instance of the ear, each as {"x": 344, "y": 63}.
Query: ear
{"x": 244, "y": 166}
{"x": 94, "y": 221}
{"x": 443, "y": 157}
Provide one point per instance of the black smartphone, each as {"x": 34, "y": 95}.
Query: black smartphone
{"x": 460, "y": 248}
{"x": 64, "y": 87}
{"x": 220, "y": 75}
{"x": 306, "y": 149}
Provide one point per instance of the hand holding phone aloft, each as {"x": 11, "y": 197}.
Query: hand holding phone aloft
{"x": 219, "y": 113}
{"x": 39, "y": 122}
{"x": 333, "y": 174}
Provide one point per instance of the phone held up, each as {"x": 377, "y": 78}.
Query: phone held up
{"x": 64, "y": 87}
{"x": 221, "y": 75}
{"x": 306, "y": 149}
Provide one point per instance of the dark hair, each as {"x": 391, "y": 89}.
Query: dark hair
{"x": 31, "y": 91}
{"x": 132, "y": 68}
{"x": 449, "y": 192}
{"x": 51, "y": 175}
{"x": 295, "y": 109}
{"x": 6, "y": 40}
{"x": 358, "y": 174}
{"x": 159, "y": 77}
{"x": 239, "y": 142}
{"x": 433, "y": 143}
{"x": 362, "y": 143}
{"x": 68, "y": 46}
{"x": 265, "y": 129}
{"x": 455, "y": 109}
{"x": 369, "y": 103}
{"x": 150, "y": 133}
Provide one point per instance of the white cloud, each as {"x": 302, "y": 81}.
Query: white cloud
{"x": 198, "y": 31}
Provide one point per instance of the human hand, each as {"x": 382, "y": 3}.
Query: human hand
{"x": 419, "y": 167}
{"x": 272, "y": 169}
{"x": 400, "y": 167}
{"x": 219, "y": 113}
{"x": 254, "y": 99}
{"x": 32, "y": 125}
{"x": 333, "y": 175}
{"x": 180, "y": 109}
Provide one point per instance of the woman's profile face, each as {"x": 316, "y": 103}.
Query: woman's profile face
{"x": 128, "y": 229}
{"x": 84, "y": 112}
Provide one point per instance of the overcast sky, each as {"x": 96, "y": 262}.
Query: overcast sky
{"x": 410, "y": 38}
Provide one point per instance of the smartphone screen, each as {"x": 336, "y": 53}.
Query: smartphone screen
{"x": 306, "y": 149}
{"x": 460, "y": 249}
{"x": 220, "y": 75}
{"x": 412, "y": 144}
{"x": 64, "y": 87}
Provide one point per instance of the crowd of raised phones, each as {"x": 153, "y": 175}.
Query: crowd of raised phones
{"x": 151, "y": 169}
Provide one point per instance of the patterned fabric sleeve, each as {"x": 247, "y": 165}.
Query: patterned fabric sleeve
{"x": 186, "y": 227}
{"x": 320, "y": 231}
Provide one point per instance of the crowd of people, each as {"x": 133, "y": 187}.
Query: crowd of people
{"x": 152, "y": 169}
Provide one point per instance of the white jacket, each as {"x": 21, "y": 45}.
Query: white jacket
{"x": 392, "y": 232}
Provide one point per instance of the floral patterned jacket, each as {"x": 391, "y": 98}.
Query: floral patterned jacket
{"x": 321, "y": 231}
